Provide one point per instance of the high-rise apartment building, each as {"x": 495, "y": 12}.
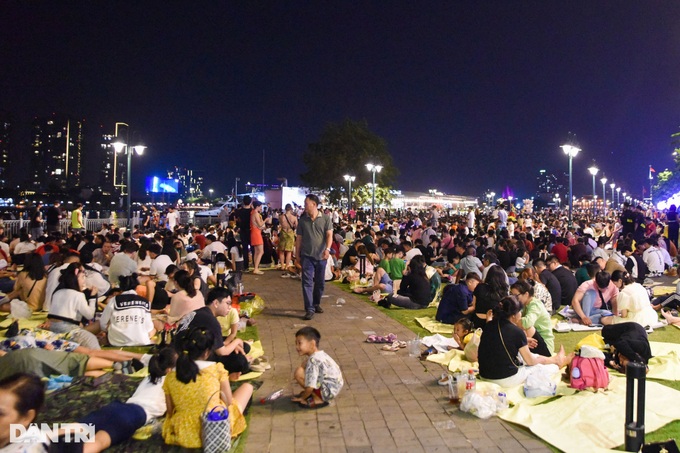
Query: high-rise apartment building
{"x": 56, "y": 152}
{"x": 190, "y": 182}
{"x": 6, "y": 143}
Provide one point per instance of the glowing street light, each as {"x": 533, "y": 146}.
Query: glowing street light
{"x": 593, "y": 171}
{"x": 119, "y": 146}
{"x": 373, "y": 169}
{"x": 618, "y": 196}
{"x": 604, "y": 194}
{"x": 349, "y": 179}
{"x": 570, "y": 151}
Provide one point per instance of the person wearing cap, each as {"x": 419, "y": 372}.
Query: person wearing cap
{"x": 312, "y": 249}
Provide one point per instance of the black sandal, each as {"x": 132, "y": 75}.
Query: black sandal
{"x": 310, "y": 404}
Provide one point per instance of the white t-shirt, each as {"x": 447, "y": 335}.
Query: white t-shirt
{"x": 158, "y": 267}
{"x": 411, "y": 253}
{"x": 96, "y": 279}
{"x": 173, "y": 219}
{"x": 24, "y": 247}
{"x": 205, "y": 271}
{"x": 71, "y": 304}
{"x": 150, "y": 397}
{"x": 214, "y": 246}
{"x": 234, "y": 254}
{"x": 121, "y": 264}
{"x": 127, "y": 318}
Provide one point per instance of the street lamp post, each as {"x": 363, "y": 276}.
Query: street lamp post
{"x": 373, "y": 169}
{"x": 570, "y": 151}
{"x": 236, "y": 189}
{"x": 618, "y": 197}
{"x": 613, "y": 186}
{"x": 349, "y": 180}
{"x": 593, "y": 171}
{"x": 604, "y": 195}
{"x": 119, "y": 146}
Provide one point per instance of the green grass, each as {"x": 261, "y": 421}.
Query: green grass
{"x": 569, "y": 340}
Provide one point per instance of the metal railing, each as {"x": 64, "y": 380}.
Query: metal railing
{"x": 12, "y": 227}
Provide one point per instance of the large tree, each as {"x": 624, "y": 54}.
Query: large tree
{"x": 345, "y": 148}
{"x": 668, "y": 181}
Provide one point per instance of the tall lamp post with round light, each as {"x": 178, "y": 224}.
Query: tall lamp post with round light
{"x": 119, "y": 146}
{"x": 570, "y": 151}
{"x": 612, "y": 186}
{"x": 349, "y": 179}
{"x": 618, "y": 197}
{"x": 604, "y": 195}
{"x": 373, "y": 169}
{"x": 593, "y": 171}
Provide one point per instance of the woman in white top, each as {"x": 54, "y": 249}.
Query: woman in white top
{"x": 24, "y": 246}
{"x": 117, "y": 422}
{"x": 633, "y": 302}
{"x": 70, "y": 305}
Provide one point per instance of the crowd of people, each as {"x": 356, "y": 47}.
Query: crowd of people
{"x": 500, "y": 271}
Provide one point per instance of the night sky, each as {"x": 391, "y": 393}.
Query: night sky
{"x": 468, "y": 95}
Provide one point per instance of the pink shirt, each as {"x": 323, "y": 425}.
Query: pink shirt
{"x": 181, "y": 303}
{"x": 609, "y": 294}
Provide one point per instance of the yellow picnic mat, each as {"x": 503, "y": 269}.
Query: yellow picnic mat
{"x": 587, "y": 421}
{"x": 663, "y": 290}
{"x": 454, "y": 360}
{"x": 665, "y": 364}
{"x": 34, "y": 321}
{"x": 255, "y": 352}
{"x": 431, "y": 325}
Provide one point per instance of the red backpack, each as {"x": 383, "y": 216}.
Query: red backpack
{"x": 588, "y": 373}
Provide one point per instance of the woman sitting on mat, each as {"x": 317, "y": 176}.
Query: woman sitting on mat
{"x": 116, "y": 422}
{"x": 504, "y": 356}
{"x": 414, "y": 292}
{"x": 633, "y": 302}
{"x": 196, "y": 385}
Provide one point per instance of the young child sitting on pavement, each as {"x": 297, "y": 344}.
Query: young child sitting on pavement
{"x": 319, "y": 375}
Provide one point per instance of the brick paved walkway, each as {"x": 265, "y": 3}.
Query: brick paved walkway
{"x": 391, "y": 402}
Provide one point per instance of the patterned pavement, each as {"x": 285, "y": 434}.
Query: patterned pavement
{"x": 390, "y": 403}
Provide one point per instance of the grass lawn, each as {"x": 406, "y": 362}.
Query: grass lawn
{"x": 569, "y": 340}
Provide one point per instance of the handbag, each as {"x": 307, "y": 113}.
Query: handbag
{"x": 216, "y": 428}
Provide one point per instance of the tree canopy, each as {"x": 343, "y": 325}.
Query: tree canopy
{"x": 345, "y": 149}
{"x": 668, "y": 181}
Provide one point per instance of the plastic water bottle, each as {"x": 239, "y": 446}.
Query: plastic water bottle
{"x": 502, "y": 401}
{"x": 272, "y": 396}
{"x": 471, "y": 381}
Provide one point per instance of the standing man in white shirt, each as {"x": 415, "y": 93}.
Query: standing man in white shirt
{"x": 172, "y": 218}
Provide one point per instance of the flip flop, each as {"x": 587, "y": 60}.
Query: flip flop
{"x": 372, "y": 339}
{"x": 391, "y": 347}
{"x": 313, "y": 405}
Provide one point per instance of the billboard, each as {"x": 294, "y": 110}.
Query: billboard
{"x": 155, "y": 184}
